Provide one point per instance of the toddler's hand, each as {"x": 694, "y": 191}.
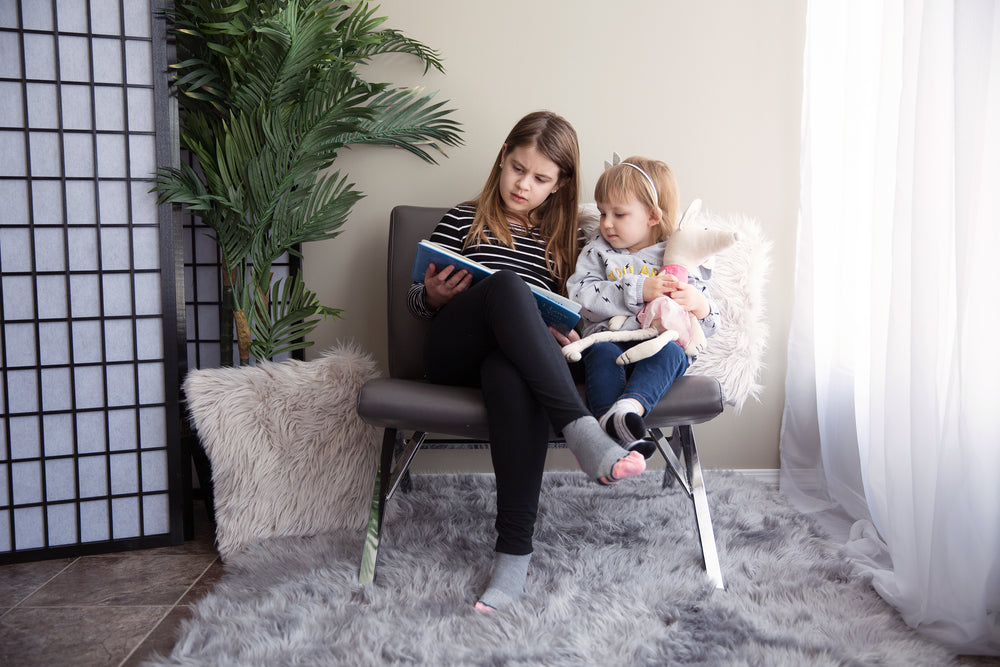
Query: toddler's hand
{"x": 662, "y": 284}
{"x": 691, "y": 299}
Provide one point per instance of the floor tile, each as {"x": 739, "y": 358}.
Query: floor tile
{"x": 162, "y": 639}
{"x": 69, "y": 636}
{"x": 134, "y": 578}
{"x": 205, "y": 583}
{"x": 203, "y": 541}
{"x": 19, "y": 580}
{"x": 190, "y": 547}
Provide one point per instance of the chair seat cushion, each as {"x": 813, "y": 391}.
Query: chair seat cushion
{"x": 460, "y": 411}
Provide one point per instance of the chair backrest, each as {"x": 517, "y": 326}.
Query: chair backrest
{"x": 407, "y": 226}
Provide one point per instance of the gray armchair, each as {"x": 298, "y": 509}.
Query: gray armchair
{"x": 409, "y": 409}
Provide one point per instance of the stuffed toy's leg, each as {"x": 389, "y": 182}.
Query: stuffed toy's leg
{"x": 645, "y": 349}
{"x": 697, "y": 343}
{"x": 574, "y": 351}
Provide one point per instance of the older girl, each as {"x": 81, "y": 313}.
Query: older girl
{"x": 491, "y": 334}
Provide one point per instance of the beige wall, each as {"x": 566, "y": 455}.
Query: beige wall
{"x": 711, "y": 88}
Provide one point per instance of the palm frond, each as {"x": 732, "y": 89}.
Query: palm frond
{"x": 407, "y": 119}
{"x": 363, "y": 39}
{"x": 325, "y": 211}
{"x": 208, "y": 34}
{"x": 292, "y": 312}
{"x": 182, "y": 185}
{"x": 393, "y": 41}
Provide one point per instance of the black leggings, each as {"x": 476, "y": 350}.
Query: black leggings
{"x": 492, "y": 336}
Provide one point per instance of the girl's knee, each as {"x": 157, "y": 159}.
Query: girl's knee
{"x": 509, "y": 290}
{"x": 507, "y": 280}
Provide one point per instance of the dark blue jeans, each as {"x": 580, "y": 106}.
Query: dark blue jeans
{"x": 647, "y": 380}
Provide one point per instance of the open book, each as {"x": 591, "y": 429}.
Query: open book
{"x": 557, "y": 311}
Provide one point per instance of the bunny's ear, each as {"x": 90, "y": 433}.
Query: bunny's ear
{"x": 693, "y": 209}
{"x": 615, "y": 159}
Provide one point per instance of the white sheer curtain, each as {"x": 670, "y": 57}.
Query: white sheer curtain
{"x": 892, "y": 417}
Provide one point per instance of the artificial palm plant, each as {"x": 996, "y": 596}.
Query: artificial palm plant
{"x": 269, "y": 92}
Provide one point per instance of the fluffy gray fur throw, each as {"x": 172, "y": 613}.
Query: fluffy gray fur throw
{"x": 616, "y": 579}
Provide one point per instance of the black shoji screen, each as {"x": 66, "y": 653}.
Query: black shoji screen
{"x": 91, "y": 343}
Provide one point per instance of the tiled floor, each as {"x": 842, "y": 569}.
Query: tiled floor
{"x": 115, "y": 609}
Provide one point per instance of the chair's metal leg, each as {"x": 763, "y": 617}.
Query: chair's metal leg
{"x": 673, "y": 463}
{"x": 373, "y": 531}
{"x": 404, "y": 460}
{"x": 702, "y": 516}
{"x": 387, "y": 480}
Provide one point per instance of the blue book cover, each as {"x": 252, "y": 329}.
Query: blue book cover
{"x": 558, "y": 311}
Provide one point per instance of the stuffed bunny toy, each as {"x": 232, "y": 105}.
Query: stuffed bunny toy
{"x": 662, "y": 319}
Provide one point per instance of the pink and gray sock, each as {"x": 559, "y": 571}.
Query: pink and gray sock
{"x": 598, "y": 454}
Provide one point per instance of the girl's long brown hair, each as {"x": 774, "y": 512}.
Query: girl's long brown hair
{"x": 555, "y": 220}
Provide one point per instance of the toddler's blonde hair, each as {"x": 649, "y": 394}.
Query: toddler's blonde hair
{"x": 622, "y": 182}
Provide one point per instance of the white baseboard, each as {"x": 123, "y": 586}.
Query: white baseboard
{"x": 766, "y": 475}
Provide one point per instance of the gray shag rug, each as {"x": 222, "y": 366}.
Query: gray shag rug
{"x": 616, "y": 579}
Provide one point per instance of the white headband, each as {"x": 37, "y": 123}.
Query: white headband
{"x": 652, "y": 186}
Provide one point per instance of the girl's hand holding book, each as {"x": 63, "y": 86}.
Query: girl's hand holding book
{"x": 564, "y": 339}
{"x": 443, "y": 285}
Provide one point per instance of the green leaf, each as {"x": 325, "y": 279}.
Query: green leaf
{"x": 407, "y": 119}
{"x": 293, "y": 312}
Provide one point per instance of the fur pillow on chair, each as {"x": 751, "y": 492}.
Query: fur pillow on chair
{"x": 734, "y": 355}
{"x": 289, "y": 454}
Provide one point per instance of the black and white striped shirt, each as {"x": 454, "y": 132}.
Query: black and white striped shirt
{"x": 526, "y": 258}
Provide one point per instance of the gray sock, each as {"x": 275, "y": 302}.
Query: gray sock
{"x": 593, "y": 448}
{"x": 623, "y": 421}
{"x": 510, "y": 572}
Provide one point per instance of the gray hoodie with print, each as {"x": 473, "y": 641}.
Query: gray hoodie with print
{"x": 608, "y": 282}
